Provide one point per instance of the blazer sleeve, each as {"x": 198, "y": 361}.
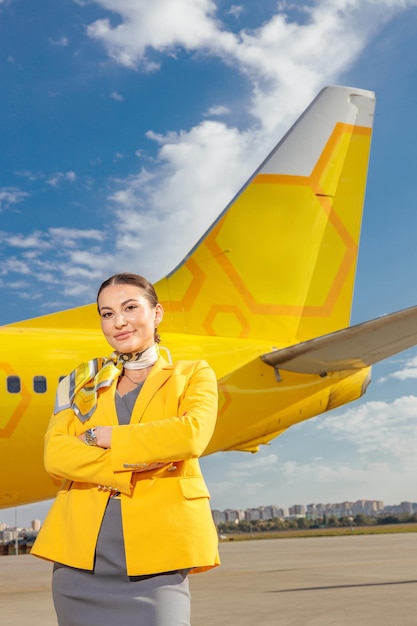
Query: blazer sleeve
{"x": 67, "y": 457}
{"x": 176, "y": 438}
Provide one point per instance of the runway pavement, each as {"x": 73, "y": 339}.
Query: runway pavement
{"x": 368, "y": 580}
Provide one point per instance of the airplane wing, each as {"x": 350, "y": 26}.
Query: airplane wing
{"x": 351, "y": 348}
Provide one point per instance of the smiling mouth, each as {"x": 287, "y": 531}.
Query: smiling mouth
{"x": 124, "y": 335}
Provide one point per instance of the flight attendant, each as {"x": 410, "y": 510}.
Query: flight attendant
{"x": 131, "y": 518}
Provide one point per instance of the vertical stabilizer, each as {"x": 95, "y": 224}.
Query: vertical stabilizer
{"x": 280, "y": 261}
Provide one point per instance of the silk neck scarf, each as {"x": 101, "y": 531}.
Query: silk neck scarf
{"x": 79, "y": 390}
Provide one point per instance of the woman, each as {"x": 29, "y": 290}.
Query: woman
{"x": 131, "y": 518}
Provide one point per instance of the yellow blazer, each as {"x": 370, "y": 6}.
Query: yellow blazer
{"x": 166, "y": 517}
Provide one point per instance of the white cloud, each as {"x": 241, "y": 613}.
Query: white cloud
{"x": 77, "y": 290}
{"x": 62, "y": 237}
{"x": 70, "y": 236}
{"x": 48, "y": 278}
{"x": 56, "y": 179}
{"x": 378, "y": 427}
{"x": 340, "y": 481}
{"x": 12, "y": 265}
{"x": 92, "y": 259}
{"x": 196, "y": 175}
{"x": 32, "y": 176}
{"x": 409, "y": 370}
{"x": 330, "y": 473}
{"x": 160, "y": 25}
{"x": 17, "y": 284}
{"x": 280, "y": 56}
{"x": 71, "y": 271}
{"x": 216, "y": 110}
{"x": 116, "y": 96}
{"x": 236, "y": 10}
{"x": 11, "y": 195}
{"x": 35, "y": 240}
{"x": 252, "y": 466}
{"x": 60, "y": 42}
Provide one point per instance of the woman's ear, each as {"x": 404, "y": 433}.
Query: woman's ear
{"x": 159, "y": 314}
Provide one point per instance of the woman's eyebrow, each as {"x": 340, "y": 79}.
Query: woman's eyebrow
{"x": 122, "y": 304}
{"x": 130, "y": 300}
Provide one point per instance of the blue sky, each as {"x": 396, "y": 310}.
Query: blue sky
{"x": 128, "y": 126}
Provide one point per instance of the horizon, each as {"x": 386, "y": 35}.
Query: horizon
{"x": 11, "y": 511}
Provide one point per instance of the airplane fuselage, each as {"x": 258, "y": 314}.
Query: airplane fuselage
{"x": 262, "y": 400}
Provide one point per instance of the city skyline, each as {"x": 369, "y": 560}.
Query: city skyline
{"x": 9, "y": 517}
{"x": 286, "y": 511}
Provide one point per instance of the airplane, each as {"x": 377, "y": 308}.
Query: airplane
{"x": 264, "y": 296}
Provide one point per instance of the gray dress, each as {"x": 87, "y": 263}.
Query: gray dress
{"x": 106, "y": 596}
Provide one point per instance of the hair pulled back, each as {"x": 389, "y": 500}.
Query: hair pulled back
{"x": 125, "y": 278}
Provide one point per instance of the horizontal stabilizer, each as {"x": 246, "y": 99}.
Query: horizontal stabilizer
{"x": 351, "y": 348}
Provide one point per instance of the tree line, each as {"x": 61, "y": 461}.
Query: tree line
{"x": 327, "y": 521}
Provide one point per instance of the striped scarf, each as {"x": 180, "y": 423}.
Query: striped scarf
{"x": 79, "y": 390}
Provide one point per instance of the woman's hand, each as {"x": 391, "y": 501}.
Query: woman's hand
{"x": 102, "y": 436}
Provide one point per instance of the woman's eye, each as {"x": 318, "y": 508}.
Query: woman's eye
{"x": 131, "y": 307}
{"x": 106, "y": 315}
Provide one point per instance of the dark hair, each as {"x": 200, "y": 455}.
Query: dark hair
{"x": 138, "y": 281}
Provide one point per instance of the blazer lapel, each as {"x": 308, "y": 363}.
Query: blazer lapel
{"x": 158, "y": 375}
{"x": 107, "y": 406}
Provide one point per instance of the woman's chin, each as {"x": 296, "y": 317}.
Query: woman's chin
{"x": 127, "y": 347}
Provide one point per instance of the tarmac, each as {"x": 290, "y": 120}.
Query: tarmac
{"x": 360, "y": 580}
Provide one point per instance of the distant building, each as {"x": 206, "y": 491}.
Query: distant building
{"x": 234, "y": 515}
{"x": 406, "y": 507}
{"x": 311, "y": 510}
{"x": 10, "y": 534}
{"x": 36, "y": 525}
{"x": 273, "y": 512}
{"x": 297, "y": 510}
{"x": 252, "y": 515}
{"x": 218, "y": 517}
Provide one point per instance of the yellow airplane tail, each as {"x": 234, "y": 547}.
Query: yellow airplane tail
{"x": 280, "y": 261}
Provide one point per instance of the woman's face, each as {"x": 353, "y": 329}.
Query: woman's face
{"x": 128, "y": 320}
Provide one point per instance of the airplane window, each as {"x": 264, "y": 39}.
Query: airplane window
{"x": 39, "y": 384}
{"x": 13, "y": 384}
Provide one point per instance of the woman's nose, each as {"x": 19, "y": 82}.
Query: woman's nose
{"x": 119, "y": 321}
